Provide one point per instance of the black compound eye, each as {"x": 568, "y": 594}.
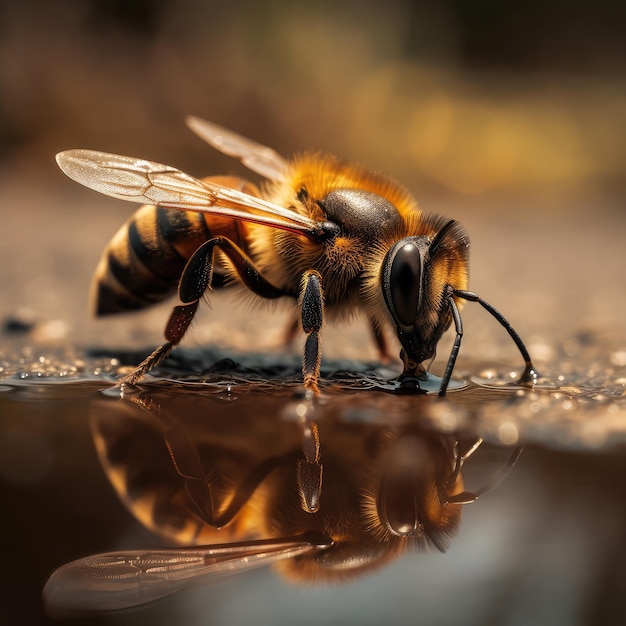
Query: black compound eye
{"x": 405, "y": 279}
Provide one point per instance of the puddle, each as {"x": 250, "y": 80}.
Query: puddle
{"x": 363, "y": 491}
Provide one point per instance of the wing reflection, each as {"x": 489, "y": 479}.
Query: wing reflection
{"x": 325, "y": 499}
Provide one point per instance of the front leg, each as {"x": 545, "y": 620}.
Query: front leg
{"x": 311, "y": 304}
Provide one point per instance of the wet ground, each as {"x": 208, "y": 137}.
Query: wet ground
{"x": 511, "y": 121}
{"x": 219, "y": 436}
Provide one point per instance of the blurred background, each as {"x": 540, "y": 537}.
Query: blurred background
{"x": 468, "y": 97}
{"x": 509, "y": 116}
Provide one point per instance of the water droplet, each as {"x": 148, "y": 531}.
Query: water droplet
{"x": 112, "y": 392}
{"x": 508, "y": 433}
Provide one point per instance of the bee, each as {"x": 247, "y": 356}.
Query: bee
{"x": 332, "y": 236}
{"x": 221, "y": 481}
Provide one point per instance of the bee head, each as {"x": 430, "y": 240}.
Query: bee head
{"x": 417, "y": 272}
{"x": 412, "y": 495}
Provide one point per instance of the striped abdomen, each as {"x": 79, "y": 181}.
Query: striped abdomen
{"x": 143, "y": 262}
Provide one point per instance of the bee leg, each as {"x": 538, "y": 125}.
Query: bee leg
{"x": 312, "y": 313}
{"x": 530, "y": 374}
{"x": 185, "y": 458}
{"x": 199, "y": 473}
{"x": 194, "y": 281}
{"x": 197, "y": 275}
{"x": 176, "y": 327}
{"x": 310, "y": 469}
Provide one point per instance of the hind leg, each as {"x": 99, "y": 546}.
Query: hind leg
{"x": 194, "y": 281}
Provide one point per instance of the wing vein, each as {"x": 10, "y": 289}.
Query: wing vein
{"x": 138, "y": 180}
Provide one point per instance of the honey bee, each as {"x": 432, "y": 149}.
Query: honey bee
{"x": 221, "y": 481}
{"x": 334, "y": 237}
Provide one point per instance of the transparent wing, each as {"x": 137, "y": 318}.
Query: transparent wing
{"x": 253, "y": 155}
{"x": 138, "y": 180}
{"x": 118, "y": 580}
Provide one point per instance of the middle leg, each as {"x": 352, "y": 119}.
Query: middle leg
{"x": 312, "y": 313}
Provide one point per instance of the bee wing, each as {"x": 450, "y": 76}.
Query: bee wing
{"x": 147, "y": 182}
{"x": 253, "y": 155}
{"x": 118, "y": 580}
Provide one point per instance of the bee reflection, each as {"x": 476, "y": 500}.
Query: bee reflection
{"x": 228, "y": 478}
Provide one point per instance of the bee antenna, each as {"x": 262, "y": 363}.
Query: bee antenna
{"x": 460, "y": 457}
{"x": 469, "y": 497}
{"x": 439, "y": 237}
{"x": 458, "y": 325}
{"x": 530, "y": 374}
